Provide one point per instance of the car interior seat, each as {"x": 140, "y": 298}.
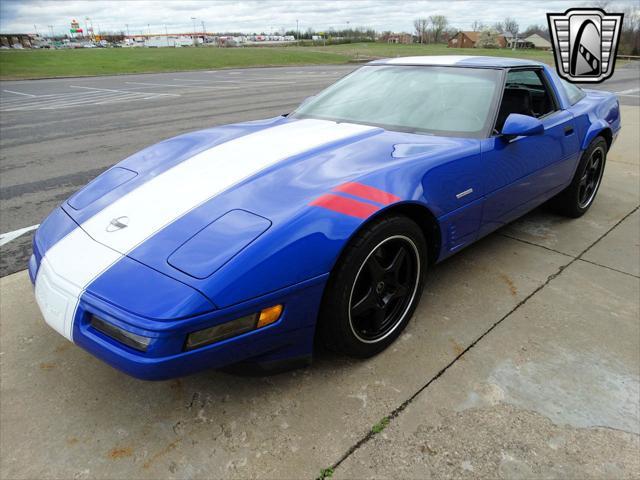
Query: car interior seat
{"x": 514, "y": 100}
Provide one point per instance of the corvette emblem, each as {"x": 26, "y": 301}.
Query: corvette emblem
{"x": 585, "y": 42}
{"x": 117, "y": 224}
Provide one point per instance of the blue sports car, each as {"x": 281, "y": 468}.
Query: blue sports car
{"x": 248, "y": 243}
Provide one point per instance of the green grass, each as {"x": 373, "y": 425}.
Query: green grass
{"x": 380, "y": 426}
{"x": 15, "y": 64}
{"x": 325, "y": 473}
{"x": 22, "y": 64}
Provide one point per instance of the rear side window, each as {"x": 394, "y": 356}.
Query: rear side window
{"x": 525, "y": 93}
{"x": 574, "y": 93}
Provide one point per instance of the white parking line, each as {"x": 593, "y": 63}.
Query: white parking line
{"x": 121, "y": 91}
{"x": 148, "y": 84}
{"x": 19, "y": 93}
{"x": 9, "y": 236}
{"x": 626, "y": 92}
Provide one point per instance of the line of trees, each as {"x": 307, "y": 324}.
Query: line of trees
{"x": 430, "y": 30}
{"x": 355, "y": 34}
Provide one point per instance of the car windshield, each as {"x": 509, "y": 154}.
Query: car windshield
{"x": 453, "y": 101}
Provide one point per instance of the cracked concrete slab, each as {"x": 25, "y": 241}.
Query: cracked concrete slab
{"x": 551, "y": 393}
{"x": 95, "y": 419}
{"x": 617, "y": 250}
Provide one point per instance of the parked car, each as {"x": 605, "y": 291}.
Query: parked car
{"x": 251, "y": 242}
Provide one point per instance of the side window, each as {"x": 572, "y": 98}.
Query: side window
{"x": 526, "y": 93}
{"x": 574, "y": 93}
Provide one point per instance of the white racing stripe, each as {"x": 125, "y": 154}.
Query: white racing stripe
{"x": 170, "y": 195}
{"x": 76, "y": 260}
{"x": 65, "y": 271}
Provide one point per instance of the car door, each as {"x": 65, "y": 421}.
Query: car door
{"x": 523, "y": 172}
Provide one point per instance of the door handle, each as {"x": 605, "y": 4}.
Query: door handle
{"x": 568, "y": 131}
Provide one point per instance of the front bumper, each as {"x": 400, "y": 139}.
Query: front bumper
{"x": 289, "y": 337}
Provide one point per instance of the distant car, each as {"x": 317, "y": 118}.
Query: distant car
{"x": 248, "y": 242}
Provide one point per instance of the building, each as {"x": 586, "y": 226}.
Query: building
{"x": 470, "y": 39}
{"x": 539, "y": 42}
{"x": 18, "y": 40}
{"x": 403, "y": 38}
{"x": 167, "y": 40}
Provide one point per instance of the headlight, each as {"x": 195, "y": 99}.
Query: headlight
{"x": 233, "y": 328}
{"x": 130, "y": 339}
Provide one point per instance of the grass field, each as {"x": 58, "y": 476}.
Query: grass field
{"x": 23, "y": 64}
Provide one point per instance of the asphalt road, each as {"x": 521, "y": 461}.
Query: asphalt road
{"x": 58, "y": 134}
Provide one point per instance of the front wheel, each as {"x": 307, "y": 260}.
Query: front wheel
{"x": 375, "y": 288}
{"x": 575, "y": 200}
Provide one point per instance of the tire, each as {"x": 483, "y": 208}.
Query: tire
{"x": 577, "y": 198}
{"x": 373, "y": 275}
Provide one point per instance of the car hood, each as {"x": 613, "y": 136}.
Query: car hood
{"x": 219, "y": 190}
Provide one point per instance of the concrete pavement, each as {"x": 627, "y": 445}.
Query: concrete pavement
{"x": 521, "y": 361}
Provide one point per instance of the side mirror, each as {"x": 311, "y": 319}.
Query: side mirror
{"x": 517, "y": 125}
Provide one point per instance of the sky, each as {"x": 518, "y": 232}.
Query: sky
{"x": 247, "y": 16}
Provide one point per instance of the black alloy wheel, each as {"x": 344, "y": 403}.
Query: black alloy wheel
{"x": 577, "y": 198}
{"x": 374, "y": 287}
{"x": 590, "y": 180}
{"x": 384, "y": 287}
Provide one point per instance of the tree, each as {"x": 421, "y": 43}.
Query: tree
{"x": 420, "y": 25}
{"x": 511, "y": 26}
{"x": 531, "y": 29}
{"x": 477, "y": 26}
{"x": 498, "y": 27}
{"x": 438, "y": 25}
{"x": 630, "y": 34}
{"x": 487, "y": 39}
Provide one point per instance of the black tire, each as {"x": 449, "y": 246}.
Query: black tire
{"x": 577, "y": 198}
{"x": 396, "y": 292}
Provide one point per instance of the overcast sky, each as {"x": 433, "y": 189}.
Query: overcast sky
{"x": 18, "y": 16}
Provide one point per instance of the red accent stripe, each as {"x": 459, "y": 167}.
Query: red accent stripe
{"x": 368, "y": 193}
{"x": 348, "y": 206}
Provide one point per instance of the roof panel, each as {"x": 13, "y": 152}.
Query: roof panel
{"x": 458, "y": 60}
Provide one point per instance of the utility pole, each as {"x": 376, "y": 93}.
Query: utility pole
{"x": 166, "y": 34}
{"x": 297, "y": 30}
{"x": 204, "y": 33}
{"x": 149, "y": 29}
{"x": 193, "y": 35}
{"x": 51, "y": 30}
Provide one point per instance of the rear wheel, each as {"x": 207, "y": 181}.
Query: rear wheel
{"x": 375, "y": 288}
{"x": 576, "y": 199}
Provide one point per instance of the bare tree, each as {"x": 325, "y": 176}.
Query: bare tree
{"x": 477, "y": 26}
{"x": 438, "y": 25}
{"x": 511, "y": 26}
{"x": 420, "y": 25}
{"x": 531, "y": 29}
{"x": 630, "y": 34}
{"x": 498, "y": 27}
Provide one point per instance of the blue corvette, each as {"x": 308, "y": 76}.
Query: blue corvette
{"x": 248, "y": 243}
